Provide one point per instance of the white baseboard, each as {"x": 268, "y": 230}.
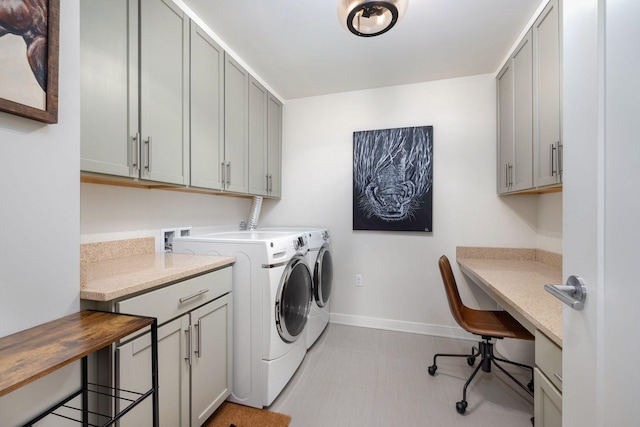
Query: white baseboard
{"x": 402, "y": 326}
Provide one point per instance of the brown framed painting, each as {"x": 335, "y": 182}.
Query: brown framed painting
{"x": 29, "y": 43}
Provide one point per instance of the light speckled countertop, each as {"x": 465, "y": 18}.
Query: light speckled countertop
{"x": 110, "y": 270}
{"x": 517, "y": 278}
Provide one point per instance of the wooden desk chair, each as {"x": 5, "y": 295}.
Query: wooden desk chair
{"x": 489, "y": 324}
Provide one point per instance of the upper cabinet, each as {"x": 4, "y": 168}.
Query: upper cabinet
{"x": 515, "y": 121}
{"x": 529, "y": 110}
{"x": 265, "y": 135}
{"x": 207, "y": 111}
{"x": 161, "y": 102}
{"x": 547, "y": 121}
{"x": 134, "y": 99}
{"x": 236, "y": 127}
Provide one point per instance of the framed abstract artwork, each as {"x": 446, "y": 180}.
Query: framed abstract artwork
{"x": 393, "y": 179}
{"x": 29, "y": 43}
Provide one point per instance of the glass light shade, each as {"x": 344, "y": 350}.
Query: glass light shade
{"x": 368, "y": 18}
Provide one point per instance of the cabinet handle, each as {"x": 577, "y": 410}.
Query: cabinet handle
{"x": 506, "y": 175}
{"x": 270, "y": 183}
{"x": 197, "y": 294}
{"x": 559, "y": 156}
{"x": 135, "y": 152}
{"x": 558, "y": 376}
{"x": 552, "y": 149}
{"x": 148, "y": 143}
{"x": 223, "y": 175}
{"x": 198, "y": 350}
{"x": 188, "y": 333}
{"x": 228, "y": 174}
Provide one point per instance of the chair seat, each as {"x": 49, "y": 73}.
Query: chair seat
{"x": 493, "y": 323}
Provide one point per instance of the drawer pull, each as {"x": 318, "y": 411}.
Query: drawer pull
{"x": 558, "y": 376}
{"x": 197, "y": 294}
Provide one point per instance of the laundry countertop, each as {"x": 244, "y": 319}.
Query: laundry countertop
{"x": 116, "y": 269}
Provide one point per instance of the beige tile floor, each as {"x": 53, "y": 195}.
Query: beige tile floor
{"x": 374, "y": 378}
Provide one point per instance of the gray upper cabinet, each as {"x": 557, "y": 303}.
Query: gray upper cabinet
{"x": 515, "y": 121}
{"x": 265, "y": 136}
{"x": 207, "y": 110}
{"x": 529, "y": 110}
{"x": 274, "y": 145}
{"x": 164, "y": 83}
{"x": 134, "y": 110}
{"x": 236, "y": 127}
{"x": 109, "y": 86}
{"x": 547, "y": 102}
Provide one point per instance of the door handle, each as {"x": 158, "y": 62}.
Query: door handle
{"x": 573, "y": 293}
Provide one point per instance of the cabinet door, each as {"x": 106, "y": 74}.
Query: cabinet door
{"x": 133, "y": 372}
{"x": 164, "y": 38}
{"x": 109, "y": 86}
{"x": 274, "y": 146}
{"x": 258, "y": 175}
{"x": 547, "y": 402}
{"x": 522, "y": 63}
{"x": 211, "y": 358}
{"x": 207, "y": 111}
{"x": 236, "y": 126}
{"x": 547, "y": 131}
{"x": 505, "y": 128}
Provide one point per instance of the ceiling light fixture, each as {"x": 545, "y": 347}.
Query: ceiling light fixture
{"x": 368, "y": 18}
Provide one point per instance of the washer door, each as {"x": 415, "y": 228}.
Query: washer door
{"x": 323, "y": 276}
{"x": 293, "y": 300}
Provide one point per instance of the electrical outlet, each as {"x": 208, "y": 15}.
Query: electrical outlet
{"x": 358, "y": 279}
{"x": 167, "y": 239}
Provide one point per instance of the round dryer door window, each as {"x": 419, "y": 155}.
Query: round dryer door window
{"x": 323, "y": 277}
{"x": 294, "y": 299}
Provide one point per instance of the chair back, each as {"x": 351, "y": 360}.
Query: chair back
{"x": 453, "y": 296}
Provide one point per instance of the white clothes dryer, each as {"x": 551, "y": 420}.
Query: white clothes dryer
{"x": 272, "y": 292}
{"x": 321, "y": 264}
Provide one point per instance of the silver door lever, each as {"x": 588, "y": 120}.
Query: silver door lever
{"x": 573, "y": 293}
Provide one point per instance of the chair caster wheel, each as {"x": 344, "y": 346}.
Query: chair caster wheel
{"x": 461, "y": 406}
{"x": 471, "y": 360}
{"x": 530, "y": 386}
{"x": 432, "y": 370}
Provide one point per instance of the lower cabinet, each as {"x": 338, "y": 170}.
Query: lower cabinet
{"x": 547, "y": 401}
{"x": 547, "y": 379}
{"x": 194, "y": 350}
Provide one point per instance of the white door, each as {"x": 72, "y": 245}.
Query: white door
{"x": 601, "y": 209}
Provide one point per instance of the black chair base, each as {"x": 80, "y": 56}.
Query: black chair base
{"x": 487, "y": 359}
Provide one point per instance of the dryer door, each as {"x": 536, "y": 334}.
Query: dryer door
{"x": 293, "y": 300}
{"x": 323, "y": 276}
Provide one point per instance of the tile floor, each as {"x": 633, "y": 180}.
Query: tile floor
{"x": 373, "y": 378}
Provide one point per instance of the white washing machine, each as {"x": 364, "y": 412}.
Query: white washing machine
{"x": 272, "y": 292}
{"x": 321, "y": 265}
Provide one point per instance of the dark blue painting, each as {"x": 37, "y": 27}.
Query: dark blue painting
{"x": 393, "y": 179}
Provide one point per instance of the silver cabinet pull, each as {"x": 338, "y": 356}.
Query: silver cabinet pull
{"x": 198, "y": 350}
{"x": 197, "y": 294}
{"x": 552, "y": 163}
{"x": 148, "y": 163}
{"x": 135, "y": 152}
{"x": 573, "y": 293}
{"x": 228, "y": 174}
{"x": 223, "y": 174}
{"x": 188, "y": 333}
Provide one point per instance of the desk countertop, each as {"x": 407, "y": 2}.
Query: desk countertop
{"x": 517, "y": 283}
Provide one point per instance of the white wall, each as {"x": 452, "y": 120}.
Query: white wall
{"x": 39, "y": 213}
{"x": 402, "y": 286}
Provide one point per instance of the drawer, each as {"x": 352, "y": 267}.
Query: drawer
{"x": 549, "y": 359}
{"x": 179, "y": 298}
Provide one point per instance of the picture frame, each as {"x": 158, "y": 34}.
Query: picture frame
{"x": 393, "y": 179}
{"x": 35, "y": 95}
